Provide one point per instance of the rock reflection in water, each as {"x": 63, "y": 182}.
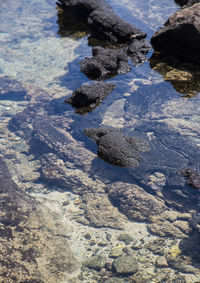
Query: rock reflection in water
{"x": 184, "y": 77}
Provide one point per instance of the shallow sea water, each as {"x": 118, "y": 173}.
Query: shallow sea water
{"x": 49, "y": 157}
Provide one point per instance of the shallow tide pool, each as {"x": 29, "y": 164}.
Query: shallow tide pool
{"x": 67, "y": 215}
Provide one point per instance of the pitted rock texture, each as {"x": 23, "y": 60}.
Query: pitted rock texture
{"x": 186, "y": 3}
{"x": 180, "y": 35}
{"x": 117, "y": 148}
{"x": 105, "y": 63}
{"x": 137, "y": 50}
{"x": 102, "y": 20}
{"x": 88, "y": 94}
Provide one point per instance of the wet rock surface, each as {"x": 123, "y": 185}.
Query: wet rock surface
{"x": 186, "y": 3}
{"x": 184, "y": 77}
{"x": 27, "y": 229}
{"x": 180, "y": 35}
{"x": 137, "y": 50}
{"x": 88, "y": 94}
{"x": 117, "y": 148}
{"x": 125, "y": 265}
{"x": 192, "y": 176}
{"x": 105, "y": 63}
{"x": 49, "y": 157}
{"x": 102, "y": 20}
{"x": 135, "y": 202}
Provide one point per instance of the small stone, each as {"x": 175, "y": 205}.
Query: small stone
{"x": 126, "y": 238}
{"x": 102, "y": 244}
{"x": 108, "y": 236}
{"x": 65, "y": 203}
{"x": 125, "y": 265}
{"x": 136, "y": 245}
{"x": 178, "y": 279}
{"x": 156, "y": 246}
{"x": 116, "y": 252}
{"x": 87, "y": 236}
{"x": 109, "y": 263}
{"x": 161, "y": 262}
{"x": 114, "y": 280}
{"x": 95, "y": 262}
{"x": 92, "y": 243}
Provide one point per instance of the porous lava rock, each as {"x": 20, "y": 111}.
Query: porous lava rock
{"x": 117, "y": 148}
{"x": 180, "y": 35}
{"x": 88, "y": 94}
{"x": 186, "y": 3}
{"x": 137, "y": 50}
{"x": 101, "y": 19}
{"x": 105, "y": 63}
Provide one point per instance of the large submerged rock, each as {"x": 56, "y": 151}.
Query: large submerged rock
{"x": 102, "y": 20}
{"x": 117, "y": 148}
{"x": 180, "y": 35}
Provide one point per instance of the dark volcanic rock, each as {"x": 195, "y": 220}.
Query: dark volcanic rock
{"x": 192, "y": 176}
{"x": 101, "y": 19}
{"x": 180, "y": 35}
{"x": 117, "y": 148}
{"x": 89, "y": 94}
{"x": 105, "y": 63}
{"x": 137, "y": 50}
{"x": 186, "y": 3}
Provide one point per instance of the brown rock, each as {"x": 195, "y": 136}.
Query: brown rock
{"x": 166, "y": 229}
{"x": 135, "y": 202}
{"x": 180, "y": 35}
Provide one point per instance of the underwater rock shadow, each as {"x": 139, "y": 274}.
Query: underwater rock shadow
{"x": 11, "y": 89}
{"x": 183, "y": 76}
